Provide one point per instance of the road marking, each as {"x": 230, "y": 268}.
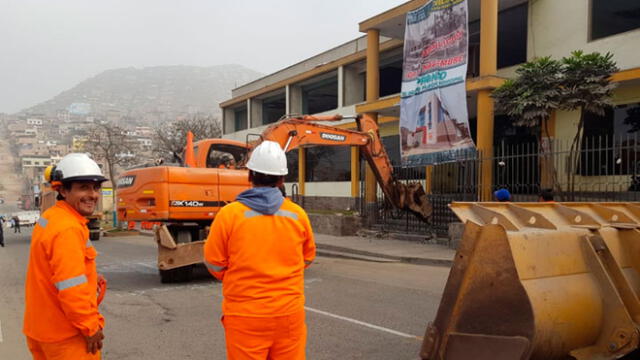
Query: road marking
{"x": 307, "y": 282}
{"x": 354, "y": 321}
{"x": 154, "y": 267}
{"x": 0, "y": 331}
{"x": 124, "y": 293}
{"x": 128, "y": 267}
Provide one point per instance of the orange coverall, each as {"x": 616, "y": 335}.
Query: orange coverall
{"x": 61, "y": 304}
{"x": 261, "y": 260}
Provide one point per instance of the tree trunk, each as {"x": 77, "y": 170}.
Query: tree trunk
{"x": 547, "y": 158}
{"x": 574, "y": 156}
{"x": 112, "y": 177}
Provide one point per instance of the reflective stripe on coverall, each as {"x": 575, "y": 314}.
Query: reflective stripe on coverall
{"x": 61, "y": 281}
{"x": 260, "y": 260}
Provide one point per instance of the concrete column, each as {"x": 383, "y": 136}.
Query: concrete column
{"x": 340, "y": 87}
{"x": 256, "y": 113}
{"x": 428, "y": 187}
{"x": 373, "y": 94}
{"x": 249, "y": 116}
{"x": 225, "y": 129}
{"x": 485, "y": 143}
{"x": 295, "y": 99}
{"x": 373, "y": 65}
{"x": 488, "y": 66}
{"x": 355, "y": 171}
{"x": 302, "y": 170}
{"x": 228, "y": 121}
{"x": 353, "y": 86}
{"x": 287, "y": 99}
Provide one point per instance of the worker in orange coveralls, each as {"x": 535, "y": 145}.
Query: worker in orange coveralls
{"x": 259, "y": 246}
{"x": 61, "y": 319}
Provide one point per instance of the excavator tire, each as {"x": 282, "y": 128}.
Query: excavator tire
{"x": 541, "y": 281}
{"x": 181, "y": 274}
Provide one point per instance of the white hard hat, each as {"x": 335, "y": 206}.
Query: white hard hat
{"x": 268, "y": 158}
{"x": 76, "y": 167}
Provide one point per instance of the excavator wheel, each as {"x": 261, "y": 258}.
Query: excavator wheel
{"x": 181, "y": 274}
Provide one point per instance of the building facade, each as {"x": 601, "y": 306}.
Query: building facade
{"x": 364, "y": 76}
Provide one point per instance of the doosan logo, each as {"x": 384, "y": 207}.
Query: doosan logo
{"x": 332, "y": 137}
{"x": 125, "y": 181}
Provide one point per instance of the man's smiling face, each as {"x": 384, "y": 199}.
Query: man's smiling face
{"x": 83, "y": 196}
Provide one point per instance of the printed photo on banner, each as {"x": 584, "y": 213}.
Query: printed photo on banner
{"x": 434, "y": 126}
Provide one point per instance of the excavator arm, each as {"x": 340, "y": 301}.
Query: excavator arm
{"x": 294, "y": 132}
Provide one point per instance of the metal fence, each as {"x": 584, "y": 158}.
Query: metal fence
{"x": 606, "y": 168}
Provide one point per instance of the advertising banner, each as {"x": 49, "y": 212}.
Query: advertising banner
{"x": 434, "y": 124}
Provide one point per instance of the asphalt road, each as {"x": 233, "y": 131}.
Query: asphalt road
{"x": 10, "y": 182}
{"x": 355, "y": 309}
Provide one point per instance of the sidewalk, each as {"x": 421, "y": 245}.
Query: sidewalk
{"x": 383, "y": 250}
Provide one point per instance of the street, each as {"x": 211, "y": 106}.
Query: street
{"x": 355, "y": 309}
{"x": 10, "y": 182}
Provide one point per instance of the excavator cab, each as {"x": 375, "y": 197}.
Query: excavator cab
{"x": 225, "y": 156}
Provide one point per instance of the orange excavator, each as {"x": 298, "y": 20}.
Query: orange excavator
{"x": 179, "y": 202}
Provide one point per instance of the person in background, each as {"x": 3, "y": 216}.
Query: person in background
{"x": 546, "y": 195}
{"x": 16, "y": 224}
{"x": 502, "y": 195}
{"x": 2, "y": 231}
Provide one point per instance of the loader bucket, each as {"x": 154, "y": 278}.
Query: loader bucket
{"x": 541, "y": 281}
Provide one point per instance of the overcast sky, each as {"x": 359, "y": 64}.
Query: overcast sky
{"x": 48, "y": 46}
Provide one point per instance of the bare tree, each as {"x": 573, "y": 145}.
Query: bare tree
{"x": 109, "y": 144}
{"x": 170, "y": 140}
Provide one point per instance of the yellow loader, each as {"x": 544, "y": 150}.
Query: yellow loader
{"x": 541, "y": 281}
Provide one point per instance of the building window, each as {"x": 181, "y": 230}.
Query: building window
{"x": 512, "y": 36}
{"x": 328, "y": 163}
{"x": 610, "y": 143}
{"x": 612, "y": 17}
{"x": 273, "y": 109}
{"x": 392, "y": 146}
{"x": 390, "y": 73}
{"x": 320, "y": 96}
{"x": 240, "y": 118}
{"x": 512, "y": 39}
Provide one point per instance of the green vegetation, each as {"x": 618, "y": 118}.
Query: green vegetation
{"x": 577, "y": 82}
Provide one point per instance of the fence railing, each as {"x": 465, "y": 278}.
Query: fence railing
{"x": 606, "y": 168}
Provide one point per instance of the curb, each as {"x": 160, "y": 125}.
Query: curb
{"x": 344, "y": 252}
{"x": 345, "y": 255}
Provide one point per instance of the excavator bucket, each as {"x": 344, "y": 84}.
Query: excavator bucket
{"x": 541, "y": 281}
{"x": 414, "y": 198}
